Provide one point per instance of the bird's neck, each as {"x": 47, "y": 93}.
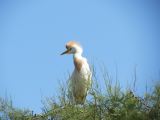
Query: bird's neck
{"x": 77, "y": 59}
{"x": 77, "y": 56}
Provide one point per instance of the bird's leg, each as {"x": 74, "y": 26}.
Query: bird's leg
{"x": 83, "y": 107}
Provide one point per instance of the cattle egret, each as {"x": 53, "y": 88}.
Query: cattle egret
{"x": 80, "y": 80}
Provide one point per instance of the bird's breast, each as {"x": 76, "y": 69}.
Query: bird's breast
{"x": 81, "y": 75}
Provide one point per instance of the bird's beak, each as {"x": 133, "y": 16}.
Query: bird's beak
{"x": 65, "y": 52}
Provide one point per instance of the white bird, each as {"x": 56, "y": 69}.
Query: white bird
{"x": 80, "y": 80}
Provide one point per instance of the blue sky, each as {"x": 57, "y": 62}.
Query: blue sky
{"x": 121, "y": 34}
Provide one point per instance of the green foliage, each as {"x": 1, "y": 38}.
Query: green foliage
{"x": 111, "y": 104}
{"x": 9, "y": 112}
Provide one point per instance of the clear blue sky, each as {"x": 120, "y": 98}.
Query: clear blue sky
{"x": 33, "y": 34}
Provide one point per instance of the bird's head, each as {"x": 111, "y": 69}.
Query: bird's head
{"x": 72, "y": 48}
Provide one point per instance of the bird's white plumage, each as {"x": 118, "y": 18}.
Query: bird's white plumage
{"x": 80, "y": 80}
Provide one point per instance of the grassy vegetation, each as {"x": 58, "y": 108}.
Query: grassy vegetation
{"x": 111, "y": 104}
